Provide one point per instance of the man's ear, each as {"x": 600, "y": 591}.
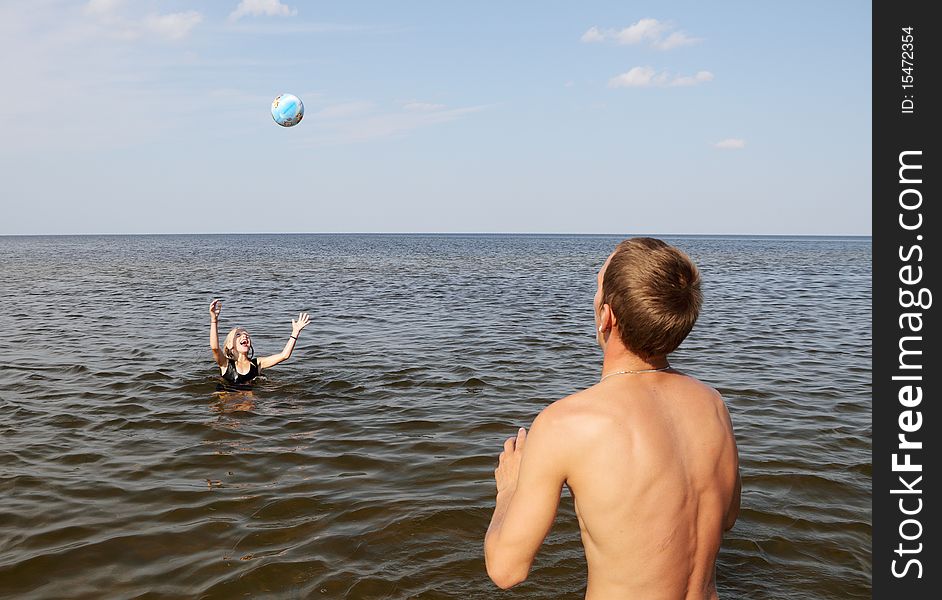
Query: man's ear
{"x": 606, "y": 319}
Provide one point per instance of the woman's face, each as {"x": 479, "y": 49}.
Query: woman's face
{"x": 242, "y": 342}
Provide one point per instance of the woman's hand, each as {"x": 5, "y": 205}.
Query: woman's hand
{"x": 296, "y": 327}
{"x": 215, "y": 308}
{"x": 301, "y": 323}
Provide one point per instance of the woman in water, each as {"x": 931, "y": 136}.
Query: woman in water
{"x": 235, "y": 358}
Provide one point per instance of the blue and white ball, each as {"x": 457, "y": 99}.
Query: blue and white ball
{"x": 287, "y": 110}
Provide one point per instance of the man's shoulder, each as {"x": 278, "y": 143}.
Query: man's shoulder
{"x": 694, "y": 382}
{"x": 699, "y": 390}
{"x": 589, "y": 411}
{"x": 564, "y": 429}
{"x": 569, "y": 406}
{"x": 571, "y": 416}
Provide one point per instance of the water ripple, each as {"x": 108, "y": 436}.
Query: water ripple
{"x": 363, "y": 467}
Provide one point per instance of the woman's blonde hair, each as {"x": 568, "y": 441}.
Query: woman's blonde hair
{"x": 230, "y": 343}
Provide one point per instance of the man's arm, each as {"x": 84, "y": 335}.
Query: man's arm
{"x": 529, "y": 478}
{"x": 732, "y": 512}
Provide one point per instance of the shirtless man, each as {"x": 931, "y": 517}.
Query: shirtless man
{"x": 648, "y": 452}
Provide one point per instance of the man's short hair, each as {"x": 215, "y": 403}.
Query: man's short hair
{"x": 654, "y": 291}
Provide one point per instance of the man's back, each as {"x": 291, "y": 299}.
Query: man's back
{"x": 648, "y": 452}
{"x": 652, "y": 464}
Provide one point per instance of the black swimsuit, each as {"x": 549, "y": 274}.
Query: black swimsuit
{"x": 232, "y": 376}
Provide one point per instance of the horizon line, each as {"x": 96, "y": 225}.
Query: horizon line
{"x": 610, "y": 234}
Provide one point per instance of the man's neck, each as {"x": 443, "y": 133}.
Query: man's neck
{"x": 617, "y": 358}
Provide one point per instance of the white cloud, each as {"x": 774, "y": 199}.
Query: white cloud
{"x": 593, "y": 35}
{"x": 644, "y": 30}
{"x": 730, "y": 144}
{"x": 109, "y": 14}
{"x": 648, "y": 77}
{"x": 636, "y": 77}
{"x": 103, "y": 8}
{"x": 258, "y": 8}
{"x": 675, "y": 40}
{"x": 656, "y": 34}
{"x": 700, "y": 77}
{"x": 173, "y": 25}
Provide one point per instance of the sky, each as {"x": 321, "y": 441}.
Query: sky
{"x": 153, "y": 116}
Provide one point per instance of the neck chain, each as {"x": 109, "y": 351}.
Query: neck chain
{"x": 638, "y": 372}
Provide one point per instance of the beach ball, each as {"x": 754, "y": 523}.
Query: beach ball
{"x": 287, "y": 110}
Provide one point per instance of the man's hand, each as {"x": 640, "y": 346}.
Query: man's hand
{"x": 526, "y": 503}
{"x": 508, "y": 467}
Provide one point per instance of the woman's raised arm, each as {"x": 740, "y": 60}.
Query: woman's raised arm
{"x": 214, "y": 309}
{"x": 296, "y": 327}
